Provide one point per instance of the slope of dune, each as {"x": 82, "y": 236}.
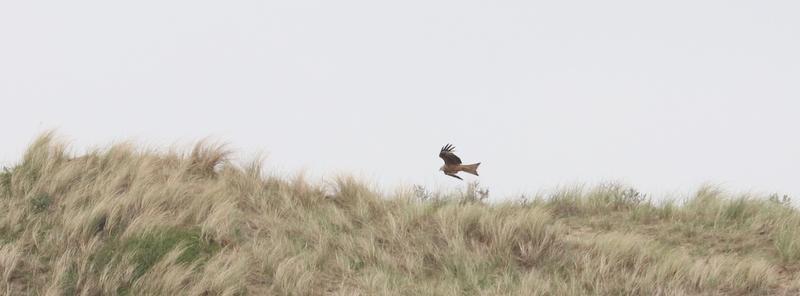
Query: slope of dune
{"x": 129, "y": 221}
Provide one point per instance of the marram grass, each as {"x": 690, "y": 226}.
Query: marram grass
{"x": 128, "y": 221}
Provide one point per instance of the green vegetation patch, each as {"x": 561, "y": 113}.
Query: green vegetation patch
{"x": 148, "y": 249}
{"x": 70, "y": 281}
{"x": 41, "y": 202}
{"x": 8, "y": 235}
{"x": 5, "y": 182}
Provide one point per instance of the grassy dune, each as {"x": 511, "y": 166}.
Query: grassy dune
{"x": 128, "y": 221}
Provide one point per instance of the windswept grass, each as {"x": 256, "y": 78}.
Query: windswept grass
{"x": 128, "y": 221}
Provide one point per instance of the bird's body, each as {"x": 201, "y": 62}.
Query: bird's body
{"x": 452, "y": 163}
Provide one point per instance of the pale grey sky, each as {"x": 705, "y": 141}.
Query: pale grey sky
{"x": 664, "y": 95}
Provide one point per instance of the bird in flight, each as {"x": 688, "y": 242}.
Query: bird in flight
{"x": 452, "y": 164}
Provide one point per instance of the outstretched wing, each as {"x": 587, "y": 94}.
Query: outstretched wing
{"x": 447, "y": 155}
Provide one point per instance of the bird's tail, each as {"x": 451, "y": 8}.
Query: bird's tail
{"x": 471, "y": 168}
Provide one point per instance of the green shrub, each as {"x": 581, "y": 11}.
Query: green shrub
{"x": 41, "y": 202}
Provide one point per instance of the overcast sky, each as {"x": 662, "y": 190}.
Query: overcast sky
{"x": 661, "y": 95}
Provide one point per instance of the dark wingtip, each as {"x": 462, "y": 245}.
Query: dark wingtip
{"x": 449, "y": 147}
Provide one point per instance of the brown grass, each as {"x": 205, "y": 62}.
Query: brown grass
{"x": 127, "y": 221}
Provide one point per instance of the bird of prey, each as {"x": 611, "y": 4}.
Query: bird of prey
{"x": 452, "y": 164}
